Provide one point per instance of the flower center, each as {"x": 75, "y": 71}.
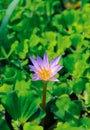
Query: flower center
{"x": 44, "y": 74}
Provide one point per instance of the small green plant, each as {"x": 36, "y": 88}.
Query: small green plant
{"x": 31, "y": 28}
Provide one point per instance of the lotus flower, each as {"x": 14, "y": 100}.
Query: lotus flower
{"x": 44, "y": 70}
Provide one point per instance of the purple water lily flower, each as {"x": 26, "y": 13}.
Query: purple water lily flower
{"x": 44, "y": 70}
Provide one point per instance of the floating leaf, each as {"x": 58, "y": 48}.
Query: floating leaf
{"x": 20, "y": 106}
{"x": 29, "y": 126}
{"x": 67, "y": 126}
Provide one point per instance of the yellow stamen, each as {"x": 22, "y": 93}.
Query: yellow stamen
{"x": 44, "y": 74}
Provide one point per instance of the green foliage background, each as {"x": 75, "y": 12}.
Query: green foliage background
{"x": 31, "y": 28}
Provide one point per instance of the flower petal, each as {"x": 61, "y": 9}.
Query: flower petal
{"x": 33, "y": 68}
{"x": 55, "y": 69}
{"x": 34, "y": 63}
{"x": 55, "y": 61}
{"x": 45, "y": 61}
{"x": 35, "y": 77}
{"x": 54, "y": 79}
{"x": 40, "y": 62}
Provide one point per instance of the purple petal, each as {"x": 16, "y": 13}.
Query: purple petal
{"x": 40, "y": 62}
{"x": 55, "y": 61}
{"x": 33, "y": 68}
{"x": 35, "y": 77}
{"x": 34, "y": 63}
{"x": 55, "y": 69}
{"x": 54, "y": 79}
{"x": 45, "y": 61}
